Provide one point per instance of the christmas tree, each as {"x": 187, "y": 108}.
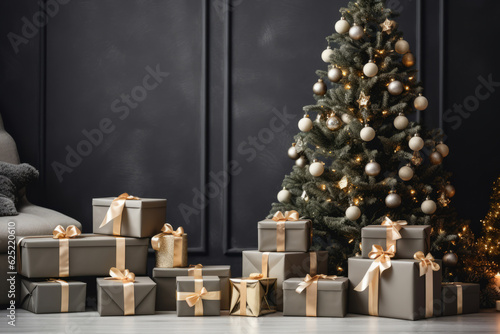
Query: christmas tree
{"x": 358, "y": 159}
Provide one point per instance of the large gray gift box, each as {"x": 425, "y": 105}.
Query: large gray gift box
{"x": 42, "y": 296}
{"x": 165, "y": 279}
{"x": 142, "y": 218}
{"x": 331, "y": 298}
{"x": 297, "y": 235}
{"x": 414, "y": 238}
{"x": 110, "y": 299}
{"x": 210, "y": 307}
{"x": 89, "y": 255}
{"x": 282, "y": 266}
{"x": 450, "y": 300}
{"x": 401, "y": 290}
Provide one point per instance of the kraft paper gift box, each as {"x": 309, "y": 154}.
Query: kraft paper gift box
{"x": 53, "y": 296}
{"x": 85, "y": 255}
{"x": 414, "y": 238}
{"x": 165, "y": 279}
{"x": 128, "y": 216}
{"x": 327, "y": 299}
{"x": 170, "y": 247}
{"x": 284, "y": 265}
{"x": 459, "y": 298}
{"x": 281, "y": 235}
{"x": 115, "y": 297}
{"x": 253, "y": 297}
{"x": 400, "y": 290}
{"x": 198, "y": 296}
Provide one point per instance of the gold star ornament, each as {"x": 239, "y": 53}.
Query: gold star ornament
{"x": 388, "y": 26}
{"x": 364, "y": 101}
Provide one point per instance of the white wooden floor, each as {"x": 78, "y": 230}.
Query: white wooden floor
{"x": 90, "y": 322}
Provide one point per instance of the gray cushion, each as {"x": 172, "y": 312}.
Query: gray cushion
{"x": 8, "y": 149}
{"x": 33, "y": 220}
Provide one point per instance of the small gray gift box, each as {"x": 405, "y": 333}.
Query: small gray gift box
{"x": 207, "y": 291}
{"x": 48, "y": 296}
{"x": 141, "y": 218}
{"x": 414, "y": 238}
{"x": 165, "y": 279}
{"x": 459, "y": 298}
{"x": 111, "y": 300}
{"x": 296, "y": 235}
{"x": 331, "y": 296}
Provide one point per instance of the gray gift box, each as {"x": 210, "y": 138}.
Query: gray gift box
{"x": 186, "y": 285}
{"x": 42, "y": 296}
{"x": 165, "y": 279}
{"x": 89, "y": 255}
{"x": 414, "y": 238}
{"x": 449, "y": 298}
{"x": 110, "y": 299}
{"x": 142, "y": 218}
{"x": 331, "y": 298}
{"x": 401, "y": 290}
{"x": 297, "y": 235}
{"x": 284, "y": 265}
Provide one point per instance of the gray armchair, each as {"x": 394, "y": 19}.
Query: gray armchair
{"x": 32, "y": 219}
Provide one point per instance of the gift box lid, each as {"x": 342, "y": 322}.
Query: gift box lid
{"x": 31, "y": 284}
{"x": 301, "y": 224}
{"x": 180, "y": 279}
{"x": 83, "y": 240}
{"x": 467, "y": 288}
{"x": 216, "y": 270}
{"x": 339, "y": 284}
{"x": 407, "y": 232}
{"x": 251, "y": 280}
{"x": 140, "y": 203}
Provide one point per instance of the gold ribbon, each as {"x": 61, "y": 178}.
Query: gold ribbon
{"x": 265, "y": 267}
{"x": 392, "y": 233}
{"x": 128, "y": 279}
{"x": 460, "y": 299}
{"x": 195, "y": 299}
{"x": 115, "y": 212}
{"x": 310, "y": 284}
{"x": 64, "y": 234}
{"x": 280, "y": 220}
{"x": 64, "y": 293}
{"x": 381, "y": 262}
{"x": 427, "y": 266}
{"x": 120, "y": 253}
{"x": 243, "y": 297}
{"x": 168, "y": 230}
{"x": 195, "y": 270}
{"x": 313, "y": 263}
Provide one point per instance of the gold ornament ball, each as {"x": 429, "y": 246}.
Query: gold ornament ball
{"x": 319, "y": 88}
{"x": 402, "y": 47}
{"x": 449, "y": 190}
{"x": 416, "y": 143}
{"x": 395, "y": 87}
{"x": 301, "y": 162}
{"x": 316, "y": 168}
{"x": 393, "y": 200}
{"x": 333, "y": 123}
{"x": 326, "y": 54}
{"x": 436, "y": 158}
{"x": 342, "y": 26}
{"x": 370, "y": 69}
{"x": 356, "y": 32}
{"x": 450, "y": 259}
{"x": 428, "y": 207}
{"x": 367, "y": 133}
{"x": 353, "y": 213}
{"x": 401, "y": 122}
{"x": 372, "y": 168}
{"x": 335, "y": 74}
{"x": 305, "y": 124}
{"x": 409, "y": 59}
{"x": 421, "y": 103}
{"x": 292, "y": 153}
{"x": 443, "y": 149}
{"x": 406, "y": 173}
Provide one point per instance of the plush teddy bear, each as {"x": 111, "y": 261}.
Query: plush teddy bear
{"x": 13, "y": 179}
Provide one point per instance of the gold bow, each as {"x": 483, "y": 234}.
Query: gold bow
{"x": 427, "y": 266}
{"x": 70, "y": 232}
{"x": 381, "y": 262}
{"x": 393, "y": 229}
{"x": 192, "y": 299}
{"x": 167, "y": 229}
{"x": 256, "y": 276}
{"x": 128, "y": 279}
{"x": 64, "y": 293}
{"x": 195, "y": 299}
{"x": 288, "y": 216}
{"x": 115, "y": 211}
{"x": 308, "y": 280}
{"x": 121, "y": 275}
{"x": 310, "y": 284}
{"x": 195, "y": 270}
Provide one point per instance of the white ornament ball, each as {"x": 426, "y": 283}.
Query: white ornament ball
{"x": 353, "y": 213}
{"x": 393, "y": 200}
{"x": 428, "y": 207}
{"x": 401, "y": 122}
{"x": 356, "y": 32}
{"x": 416, "y": 143}
{"x": 346, "y": 118}
{"x": 284, "y": 196}
{"x": 395, "y": 87}
{"x": 402, "y": 46}
{"x": 292, "y": 153}
{"x": 406, "y": 173}
{"x": 421, "y": 103}
{"x": 370, "y": 69}
{"x": 367, "y": 133}
{"x": 342, "y": 26}
{"x": 325, "y": 55}
{"x": 335, "y": 74}
{"x": 316, "y": 169}
{"x": 372, "y": 168}
{"x": 305, "y": 124}
{"x": 443, "y": 149}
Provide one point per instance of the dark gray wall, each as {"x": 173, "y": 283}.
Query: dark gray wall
{"x": 233, "y": 73}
